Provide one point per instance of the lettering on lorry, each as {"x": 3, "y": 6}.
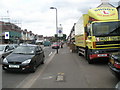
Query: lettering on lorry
{"x": 105, "y": 12}
{"x": 108, "y": 38}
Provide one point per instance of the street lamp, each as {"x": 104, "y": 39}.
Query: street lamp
{"x": 56, "y": 18}
{"x": 56, "y": 23}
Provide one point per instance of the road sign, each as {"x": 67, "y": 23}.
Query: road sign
{"x": 6, "y": 35}
{"x": 60, "y": 31}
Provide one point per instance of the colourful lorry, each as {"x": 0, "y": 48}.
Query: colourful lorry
{"x": 97, "y": 34}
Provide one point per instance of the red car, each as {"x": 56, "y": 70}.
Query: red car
{"x": 55, "y": 45}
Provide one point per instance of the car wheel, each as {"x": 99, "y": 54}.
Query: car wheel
{"x": 33, "y": 68}
{"x": 43, "y": 60}
{"x": 3, "y": 69}
{"x": 1, "y": 60}
{"x": 117, "y": 75}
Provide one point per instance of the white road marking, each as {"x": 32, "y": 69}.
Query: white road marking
{"x": 50, "y": 77}
{"x": 60, "y": 77}
{"x": 50, "y": 54}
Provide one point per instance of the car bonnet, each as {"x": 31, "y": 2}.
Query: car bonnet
{"x": 1, "y": 52}
{"x": 18, "y": 57}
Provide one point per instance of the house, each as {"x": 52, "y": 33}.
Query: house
{"x": 13, "y": 30}
{"x": 105, "y": 3}
{"x": 118, "y": 8}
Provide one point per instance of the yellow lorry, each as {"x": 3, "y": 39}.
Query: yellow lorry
{"x": 97, "y": 34}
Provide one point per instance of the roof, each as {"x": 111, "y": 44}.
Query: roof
{"x": 106, "y": 4}
{"x": 119, "y": 3}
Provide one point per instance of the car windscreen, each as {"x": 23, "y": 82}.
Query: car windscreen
{"x": 2, "y": 48}
{"x": 24, "y": 50}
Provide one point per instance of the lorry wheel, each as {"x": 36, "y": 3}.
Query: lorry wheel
{"x": 90, "y": 61}
{"x": 88, "y": 58}
{"x": 76, "y": 49}
{"x": 79, "y": 54}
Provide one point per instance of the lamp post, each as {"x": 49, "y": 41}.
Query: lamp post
{"x": 56, "y": 19}
{"x": 56, "y": 24}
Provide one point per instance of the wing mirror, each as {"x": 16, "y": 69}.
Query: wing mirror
{"x": 38, "y": 52}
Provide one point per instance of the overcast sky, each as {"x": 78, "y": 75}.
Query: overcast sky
{"x": 36, "y": 15}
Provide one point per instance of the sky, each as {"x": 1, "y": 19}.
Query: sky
{"x": 36, "y": 15}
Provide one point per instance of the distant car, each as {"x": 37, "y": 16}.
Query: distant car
{"x": 47, "y": 43}
{"x": 24, "y": 58}
{"x": 5, "y": 49}
{"x": 55, "y": 45}
{"x": 114, "y": 64}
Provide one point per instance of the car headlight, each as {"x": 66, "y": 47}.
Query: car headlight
{"x": 116, "y": 62}
{"x": 5, "y": 60}
{"x": 27, "y": 61}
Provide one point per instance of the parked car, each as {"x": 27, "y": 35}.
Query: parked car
{"x": 117, "y": 86}
{"x": 55, "y": 45}
{"x": 24, "y": 58}
{"x": 5, "y": 50}
{"x": 114, "y": 64}
{"x": 14, "y": 45}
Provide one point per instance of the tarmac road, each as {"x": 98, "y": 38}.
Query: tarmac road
{"x": 67, "y": 70}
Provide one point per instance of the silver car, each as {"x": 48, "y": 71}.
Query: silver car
{"x": 5, "y": 50}
{"x": 117, "y": 86}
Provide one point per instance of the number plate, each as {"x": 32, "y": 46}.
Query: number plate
{"x": 14, "y": 66}
{"x": 102, "y": 55}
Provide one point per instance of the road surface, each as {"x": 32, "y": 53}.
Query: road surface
{"x": 63, "y": 70}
